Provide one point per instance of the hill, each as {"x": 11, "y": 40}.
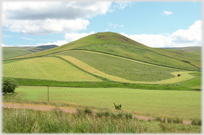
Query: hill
{"x": 12, "y": 52}
{"x": 191, "y": 49}
{"x": 119, "y": 45}
{"x": 108, "y": 57}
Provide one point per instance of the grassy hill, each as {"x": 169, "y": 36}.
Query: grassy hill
{"x": 105, "y": 57}
{"x": 191, "y": 49}
{"x": 116, "y": 44}
{"x": 12, "y": 52}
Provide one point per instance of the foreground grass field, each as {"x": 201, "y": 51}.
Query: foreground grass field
{"x": 57, "y": 121}
{"x": 182, "y": 104}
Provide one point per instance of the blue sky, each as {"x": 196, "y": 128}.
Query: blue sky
{"x": 155, "y": 24}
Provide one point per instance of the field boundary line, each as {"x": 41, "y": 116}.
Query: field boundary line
{"x": 114, "y": 55}
{"x": 92, "y": 70}
{"x": 66, "y": 60}
{"x": 184, "y": 77}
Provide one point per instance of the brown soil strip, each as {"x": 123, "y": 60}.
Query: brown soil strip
{"x": 65, "y": 109}
{"x": 37, "y": 107}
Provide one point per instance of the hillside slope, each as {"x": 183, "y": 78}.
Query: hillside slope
{"x": 191, "y": 49}
{"x": 12, "y": 52}
{"x": 119, "y": 45}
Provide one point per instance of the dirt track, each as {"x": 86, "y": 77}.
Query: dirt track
{"x": 65, "y": 109}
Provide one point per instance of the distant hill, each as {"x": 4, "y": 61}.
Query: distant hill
{"x": 12, "y": 52}
{"x": 192, "y": 49}
{"x": 45, "y": 47}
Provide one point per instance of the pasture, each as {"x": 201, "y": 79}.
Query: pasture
{"x": 48, "y": 68}
{"x": 182, "y": 104}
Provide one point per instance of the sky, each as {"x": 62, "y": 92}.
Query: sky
{"x": 154, "y": 24}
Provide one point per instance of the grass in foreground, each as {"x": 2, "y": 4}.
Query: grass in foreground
{"x": 184, "y": 104}
{"x": 57, "y": 121}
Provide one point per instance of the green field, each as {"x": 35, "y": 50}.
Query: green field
{"x": 50, "y": 68}
{"x": 12, "y": 52}
{"x": 124, "y": 68}
{"x": 146, "y": 55}
{"x": 182, "y": 104}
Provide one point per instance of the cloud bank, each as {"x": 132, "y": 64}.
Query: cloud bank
{"x": 38, "y": 18}
{"x": 180, "y": 38}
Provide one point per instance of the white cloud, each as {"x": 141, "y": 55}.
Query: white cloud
{"x": 75, "y": 36}
{"x": 167, "y": 13}
{"x": 37, "y": 27}
{"x": 193, "y": 34}
{"x": 121, "y": 5}
{"x": 39, "y": 18}
{"x": 59, "y": 43}
{"x": 115, "y": 25}
{"x": 3, "y": 45}
{"x": 179, "y": 38}
{"x": 27, "y": 38}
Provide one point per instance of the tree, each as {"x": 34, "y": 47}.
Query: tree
{"x": 9, "y": 85}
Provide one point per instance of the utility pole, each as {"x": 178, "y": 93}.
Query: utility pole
{"x": 47, "y": 93}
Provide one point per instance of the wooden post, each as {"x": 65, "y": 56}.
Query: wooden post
{"x": 48, "y": 93}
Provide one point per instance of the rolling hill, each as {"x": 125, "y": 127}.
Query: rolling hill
{"x": 12, "y": 52}
{"x": 105, "y": 57}
{"x": 191, "y": 49}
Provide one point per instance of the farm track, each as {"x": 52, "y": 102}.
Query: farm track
{"x": 65, "y": 109}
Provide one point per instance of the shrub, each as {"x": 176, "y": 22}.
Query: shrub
{"x": 99, "y": 114}
{"x": 113, "y": 115}
{"x": 158, "y": 119}
{"x": 128, "y": 115}
{"x": 196, "y": 122}
{"x": 177, "y": 120}
{"x": 107, "y": 113}
{"x": 119, "y": 115}
{"x": 79, "y": 111}
{"x": 9, "y": 85}
{"x": 88, "y": 111}
{"x": 169, "y": 120}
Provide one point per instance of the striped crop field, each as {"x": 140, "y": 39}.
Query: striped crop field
{"x": 182, "y": 104}
{"x": 122, "y": 69}
{"x": 48, "y": 68}
{"x": 185, "y": 74}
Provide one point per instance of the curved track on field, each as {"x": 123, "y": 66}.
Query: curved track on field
{"x": 65, "y": 109}
{"x": 185, "y": 75}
